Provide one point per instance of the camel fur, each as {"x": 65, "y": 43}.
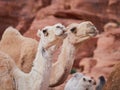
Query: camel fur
{"x": 20, "y": 48}
{"x": 6, "y": 66}
{"x": 76, "y": 34}
{"x": 78, "y": 82}
{"x": 60, "y": 69}
{"x": 38, "y": 78}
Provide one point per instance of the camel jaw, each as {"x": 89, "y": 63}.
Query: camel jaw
{"x": 92, "y": 33}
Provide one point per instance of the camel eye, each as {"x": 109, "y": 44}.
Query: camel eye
{"x": 89, "y": 81}
{"x": 73, "y": 30}
{"x": 45, "y": 32}
{"x": 58, "y": 27}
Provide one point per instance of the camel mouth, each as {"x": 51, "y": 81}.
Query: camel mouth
{"x": 63, "y": 34}
{"x": 92, "y": 33}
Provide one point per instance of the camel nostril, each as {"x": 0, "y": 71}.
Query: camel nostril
{"x": 92, "y": 77}
{"x": 94, "y": 83}
{"x": 64, "y": 31}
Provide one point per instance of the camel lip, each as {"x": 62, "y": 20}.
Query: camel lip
{"x": 64, "y": 34}
{"x": 93, "y": 33}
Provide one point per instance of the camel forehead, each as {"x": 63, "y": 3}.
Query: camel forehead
{"x": 78, "y": 75}
{"x": 59, "y": 24}
{"x": 81, "y": 26}
{"x": 53, "y": 28}
{"x": 72, "y": 25}
{"x": 84, "y": 25}
{"x": 87, "y": 77}
{"x": 47, "y": 28}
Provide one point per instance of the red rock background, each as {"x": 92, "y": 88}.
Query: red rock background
{"x": 30, "y": 15}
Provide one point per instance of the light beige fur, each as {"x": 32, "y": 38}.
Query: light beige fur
{"x": 6, "y": 78}
{"x": 38, "y": 78}
{"x": 20, "y": 48}
{"x": 80, "y": 82}
{"x": 62, "y": 67}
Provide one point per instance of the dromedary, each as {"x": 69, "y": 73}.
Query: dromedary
{"x": 62, "y": 64}
{"x": 6, "y": 78}
{"x": 77, "y": 34}
{"x": 21, "y": 49}
{"x": 38, "y": 78}
{"x": 80, "y": 82}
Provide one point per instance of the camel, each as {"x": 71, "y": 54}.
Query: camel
{"x": 21, "y": 49}
{"x": 38, "y": 77}
{"x": 76, "y": 34}
{"x": 6, "y": 78}
{"x": 56, "y": 77}
{"x": 80, "y": 82}
{"x": 73, "y": 81}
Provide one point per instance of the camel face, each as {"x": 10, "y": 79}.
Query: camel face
{"x": 80, "y": 32}
{"x": 59, "y": 29}
{"x": 80, "y": 82}
{"x": 51, "y": 35}
{"x": 88, "y": 81}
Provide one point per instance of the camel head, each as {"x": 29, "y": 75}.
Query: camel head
{"x": 81, "y": 32}
{"x": 52, "y": 35}
{"x": 88, "y": 81}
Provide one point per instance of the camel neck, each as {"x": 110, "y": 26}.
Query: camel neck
{"x": 38, "y": 78}
{"x": 42, "y": 57}
{"x": 62, "y": 67}
{"x": 42, "y": 67}
{"x": 68, "y": 54}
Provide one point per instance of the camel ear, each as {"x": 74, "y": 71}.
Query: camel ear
{"x": 39, "y": 33}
